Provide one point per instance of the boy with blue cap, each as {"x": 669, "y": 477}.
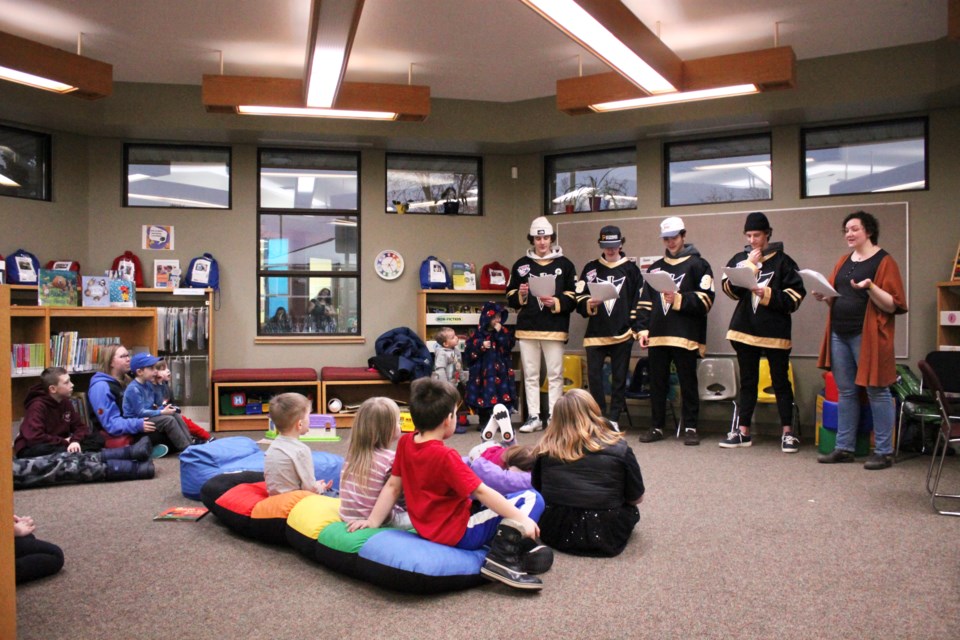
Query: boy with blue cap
{"x": 138, "y": 403}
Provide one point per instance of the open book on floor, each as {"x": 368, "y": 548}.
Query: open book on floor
{"x": 183, "y": 514}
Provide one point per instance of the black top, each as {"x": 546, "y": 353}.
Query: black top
{"x": 846, "y": 316}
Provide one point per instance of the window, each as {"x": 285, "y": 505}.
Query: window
{"x": 176, "y": 176}
{"x": 591, "y": 181}
{"x": 308, "y": 278}
{"x": 434, "y": 184}
{"x": 24, "y": 164}
{"x": 720, "y": 170}
{"x": 865, "y": 158}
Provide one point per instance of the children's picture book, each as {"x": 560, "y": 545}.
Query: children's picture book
{"x": 123, "y": 293}
{"x": 182, "y": 514}
{"x": 95, "y": 291}
{"x": 464, "y": 276}
{"x": 166, "y": 274}
{"x": 956, "y": 266}
{"x": 57, "y": 288}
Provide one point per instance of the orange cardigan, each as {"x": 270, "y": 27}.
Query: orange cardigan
{"x": 877, "y": 365}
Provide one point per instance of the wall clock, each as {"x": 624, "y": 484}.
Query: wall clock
{"x": 388, "y": 264}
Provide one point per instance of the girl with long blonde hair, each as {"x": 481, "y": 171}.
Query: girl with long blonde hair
{"x": 589, "y": 478}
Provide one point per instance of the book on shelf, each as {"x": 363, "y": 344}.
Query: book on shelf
{"x": 76, "y": 354}
{"x": 123, "y": 293}
{"x": 95, "y": 291}
{"x": 57, "y": 288}
{"x": 182, "y": 514}
{"x": 464, "y": 276}
{"x": 27, "y": 359}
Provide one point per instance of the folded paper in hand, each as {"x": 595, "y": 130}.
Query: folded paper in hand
{"x": 542, "y": 286}
{"x": 814, "y": 282}
{"x": 602, "y": 290}
{"x": 744, "y": 277}
{"x": 660, "y": 281}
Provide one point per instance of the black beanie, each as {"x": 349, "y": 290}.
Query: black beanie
{"x": 756, "y": 221}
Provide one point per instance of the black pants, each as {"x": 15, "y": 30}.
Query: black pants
{"x": 686, "y": 362}
{"x": 92, "y": 443}
{"x": 748, "y": 357}
{"x": 35, "y": 558}
{"x": 619, "y": 355}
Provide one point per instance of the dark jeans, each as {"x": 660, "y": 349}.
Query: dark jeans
{"x": 748, "y": 357}
{"x": 619, "y": 355}
{"x": 35, "y": 558}
{"x": 686, "y": 362}
{"x": 92, "y": 443}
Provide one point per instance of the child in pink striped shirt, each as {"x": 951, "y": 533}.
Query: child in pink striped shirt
{"x": 369, "y": 462}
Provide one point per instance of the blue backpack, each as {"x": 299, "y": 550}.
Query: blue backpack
{"x": 203, "y": 272}
{"x": 22, "y": 268}
{"x": 434, "y": 274}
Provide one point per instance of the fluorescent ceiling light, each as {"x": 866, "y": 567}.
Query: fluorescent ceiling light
{"x": 731, "y": 165}
{"x": 8, "y": 182}
{"x": 37, "y": 82}
{"x": 674, "y": 98}
{"x": 333, "y": 25}
{"x": 919, "y": 184}
{"x": 571, "y": 18}
{"x": 306, "y": 112}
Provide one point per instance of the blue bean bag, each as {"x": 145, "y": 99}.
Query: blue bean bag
{"x": 201, "y": 462}
{"x": 389, "y": 558}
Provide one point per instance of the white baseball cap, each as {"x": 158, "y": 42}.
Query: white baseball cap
{"x": 671, "y": 227}
{"x": 541, "y": 227}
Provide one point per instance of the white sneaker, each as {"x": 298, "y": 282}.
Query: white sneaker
{"x": 502, "y": 417}
{"x": 532, "y": 424}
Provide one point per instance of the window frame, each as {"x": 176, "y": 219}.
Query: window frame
{"x": 390, "y": 207}
{"x": 262, "y": 337}
{"x": 804, "y": 131}
{"x": 666, "y": 184}
{"x": 549, "y": 178}
{"x": 44, "y": 160}
{"x": 127, "y": 146}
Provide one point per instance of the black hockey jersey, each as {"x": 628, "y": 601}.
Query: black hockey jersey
{"x": 534, "y": 321}
{"x": 613, "y": 321}
{"x": 684, "y": 323}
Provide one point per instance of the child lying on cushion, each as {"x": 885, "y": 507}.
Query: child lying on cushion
{"x": 288, "y": 463}
{"x": 506, "y": 469}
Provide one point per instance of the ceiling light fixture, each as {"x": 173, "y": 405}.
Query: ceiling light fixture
{"x": 674, "y": 98}
{"x": 43, "y": 67}
{"x": 611, "y": 31}
{"x": 333, "y": 25}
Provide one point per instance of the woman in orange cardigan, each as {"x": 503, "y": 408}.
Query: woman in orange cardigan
{"x": 858, "y": 342}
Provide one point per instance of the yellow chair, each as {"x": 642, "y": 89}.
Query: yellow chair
{"x": 765, "y": 394}
{"x": 572, "y": 374}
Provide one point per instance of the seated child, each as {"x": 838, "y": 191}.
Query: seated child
{"x": 504, "y": 469}
{"x": 34, "y": 559}
{"x": 590, "y": 480}
{"x": 138, "y": 403}
{"x": 440, "y": 490}
{"x": 50, "y": 422}
{"x": 162, "y": 398}
{"x": 288, "y": 464}
{"x": 369, "y": 461}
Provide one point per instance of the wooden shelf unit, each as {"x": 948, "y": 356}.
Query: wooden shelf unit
{"x": 461, "y": 322}
{"x": 948, "y": 304}
{"x": 351, "y": 392}
{"x": 266, "y": 390}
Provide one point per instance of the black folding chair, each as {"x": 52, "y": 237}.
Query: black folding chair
{"x": 949, "y": 434}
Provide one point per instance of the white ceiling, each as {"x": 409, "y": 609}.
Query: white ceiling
{"x": 465, "y": 49}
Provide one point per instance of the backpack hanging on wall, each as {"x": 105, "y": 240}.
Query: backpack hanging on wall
{"x": 494, "y": 276}
{"x": 203, "y": 272}
{"x": 434, "y": 274}
{"x": 22, "y": 267}
{"x": 128, "y": 267}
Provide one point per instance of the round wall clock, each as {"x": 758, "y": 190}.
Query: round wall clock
{"x": 388, "y": 264}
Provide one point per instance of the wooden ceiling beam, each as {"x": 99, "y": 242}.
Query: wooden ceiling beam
{"x": 93, "y": 79}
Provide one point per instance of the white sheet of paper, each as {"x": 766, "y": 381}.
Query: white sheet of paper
{"x": 741, "y": 277}
{"x": 814, "y": 282}
{"x": 603, "y": 290}
{"x": 542, "y": 286}
{"x": 660, "y": 281}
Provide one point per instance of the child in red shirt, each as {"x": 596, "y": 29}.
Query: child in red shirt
{"x": 440, "y": 490}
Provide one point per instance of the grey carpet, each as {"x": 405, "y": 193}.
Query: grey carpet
{"x": 747, "y": 543}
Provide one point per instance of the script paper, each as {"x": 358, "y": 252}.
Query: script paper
{"x": 602, "y": 290}
{"x": 542, "y": 286}
{"x": 660, "y": 281}
{"x": 744, "y": 277}
{"x": 814, "y": 282}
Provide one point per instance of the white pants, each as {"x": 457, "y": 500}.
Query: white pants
{"x": 552, "y": 351}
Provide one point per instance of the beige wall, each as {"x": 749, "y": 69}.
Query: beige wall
{"x": 86, "y": 222}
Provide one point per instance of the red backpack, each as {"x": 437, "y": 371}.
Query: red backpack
{"x": 128, "y": 267}
{"x": 494, "y": 276}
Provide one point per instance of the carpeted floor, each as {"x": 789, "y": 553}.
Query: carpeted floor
{"x": 745, "y": 543}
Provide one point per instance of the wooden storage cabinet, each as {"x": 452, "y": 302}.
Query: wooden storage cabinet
{"x": 263, "y": 390}
{"x": 352, "y": 392}
{"x": 429, "y": 301}
{"x": 948, "y": 316}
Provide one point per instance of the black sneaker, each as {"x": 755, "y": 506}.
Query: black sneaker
{"x": 878, "y": 461}
{"x": 736, "y": 439}
{"x": 835, "y": 456}
{"x": 789, "y": 443}
{"x": 690, "y": 437}
{"x": 536, "y": 557}
{"x": 651, "y": 435}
